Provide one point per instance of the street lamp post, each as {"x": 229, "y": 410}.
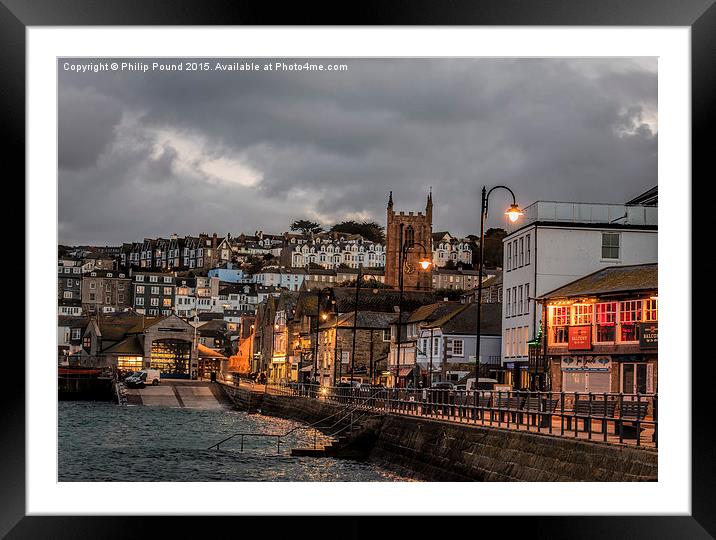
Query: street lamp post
{"x": 513, "y": 212}
{"x": 424, "y": 263}
{"x": 355, "y": 319}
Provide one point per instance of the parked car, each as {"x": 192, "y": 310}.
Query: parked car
{"x": 444, "y": 385}
{"x": 143, "y": 378}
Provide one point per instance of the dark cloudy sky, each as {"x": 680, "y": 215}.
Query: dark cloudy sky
{"x": 151, "y": 154}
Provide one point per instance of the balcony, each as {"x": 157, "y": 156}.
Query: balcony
{"x": 587, "y": 213}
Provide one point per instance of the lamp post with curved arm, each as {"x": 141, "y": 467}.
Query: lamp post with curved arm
{"x": 514, "y": 213}
{"x": 424, "y": 263}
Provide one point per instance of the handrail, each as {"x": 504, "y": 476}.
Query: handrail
{"x": 353, "y": 406}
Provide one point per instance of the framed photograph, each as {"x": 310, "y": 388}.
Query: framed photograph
{"x": 297, "y": 266}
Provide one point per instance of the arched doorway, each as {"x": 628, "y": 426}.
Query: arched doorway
{"x": 172, "y": 357}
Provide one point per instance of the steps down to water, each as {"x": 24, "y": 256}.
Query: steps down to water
{"x": 354, "y": 443}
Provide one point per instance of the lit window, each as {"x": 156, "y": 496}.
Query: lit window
{"x": 457, "y": 347}
{"x": 606, "y": 321}
{"x": 583, "y": 314}
{"x": 560, "y": 324}
{"x": 651, "y": 311}
{"x": 629, "y": 316}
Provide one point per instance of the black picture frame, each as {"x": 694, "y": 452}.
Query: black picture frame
{"x": 699, "y": 15}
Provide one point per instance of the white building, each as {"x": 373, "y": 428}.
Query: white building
{"x": 327, "y": 252}
{"x": 554, "y": 243}
{"x": 447, "y": 247}
{"x": 446, "y": 346}
{"x": 288, "y": 278}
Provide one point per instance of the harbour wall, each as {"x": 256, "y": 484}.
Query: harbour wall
{"x": 436, "y": 450}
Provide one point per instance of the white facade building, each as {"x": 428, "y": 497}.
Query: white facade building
{"x": 353, "y": 252}
{"x": 555, "y": 243}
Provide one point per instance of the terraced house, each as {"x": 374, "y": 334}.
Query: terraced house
{"x": 153, "y": 293}
{"x": 106, "y": 291}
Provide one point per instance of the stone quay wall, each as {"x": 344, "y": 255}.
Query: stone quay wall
{"x": 436, "y": 450}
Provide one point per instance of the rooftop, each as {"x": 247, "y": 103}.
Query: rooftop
{"x": 612, "y": 280}
{"x": 587, "y": 214}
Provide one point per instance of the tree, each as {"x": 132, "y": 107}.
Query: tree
{"x": 253, "y": 265}
{"x": 370, "y": 230}
{"x": 306, "y": 226}
{"x": 493, "y": 247}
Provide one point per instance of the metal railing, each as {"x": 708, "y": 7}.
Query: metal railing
{"x": 345, "y": 412}
{"x": 616, "y": 418}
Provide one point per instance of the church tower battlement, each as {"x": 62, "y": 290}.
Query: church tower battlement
{"x": 415, "y": 227}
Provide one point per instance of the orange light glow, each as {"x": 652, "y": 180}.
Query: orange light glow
{"x": 514, "y": 213}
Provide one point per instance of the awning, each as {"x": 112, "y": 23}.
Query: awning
{"x": 405, "y": 371}
{"x": 206, "y": 352}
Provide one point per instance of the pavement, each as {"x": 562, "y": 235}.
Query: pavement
{"x": 178, "y": 393}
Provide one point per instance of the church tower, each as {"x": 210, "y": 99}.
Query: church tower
{"x": 413, "y": 228}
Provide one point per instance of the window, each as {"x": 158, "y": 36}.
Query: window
{"x": 154, "y": 279}
{"x": 514, "y": 300}
{"x": 527, "y": 298}
{"x": 167, "y": 291}
{"x": 108, "y": 299}
{"x": 386, "y": 335}
{"x": 155, "y": 290}
{"x": 154, "y": 301}
{"x": 140, "y": 301}
{"x": 519, "y": 303}
{"x": 522, "y": 251}
{"x": 76, "y": 333}
{"x": 92, "y": 298}
{"x": 67, "y": 294}
{"x": 610, "y": 245}
{"x": 120, "y": 299}
{"x": 140, "y": 289}
{"x": 69, "y": 283}
{"x": 651, "y": 311}
{"x": 629, "y": 316}
{"x": 583, "y": 314}
{"x": 436, "y": 346}
{"x": 457, "y": 347}
{"x": 92, "y": 285}
{"x": 167, "y": 280}
{"x": 508, "y": 311}
{"x": 606, "y": 321}
{"x": 560, "y": 324}
{"x": 509, "y": 256}
{"x": 527, "y": 254}
{"x": 87, "y": 342}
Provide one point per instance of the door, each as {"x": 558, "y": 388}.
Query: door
{"x": 634, "y": 378}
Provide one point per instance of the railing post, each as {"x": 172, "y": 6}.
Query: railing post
{"x": 605, "y": 421}
{"x": 574, "y": 415}
{"x": 589, "y": 417}
{"x": 621, "y": 422}
{"x": 638, "y": 419}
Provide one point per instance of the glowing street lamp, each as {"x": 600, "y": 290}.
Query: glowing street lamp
{"x": 425, "y": 263}
{"x": 514, "y": 212}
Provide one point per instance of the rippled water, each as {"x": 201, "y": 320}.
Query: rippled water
{"x": 104, "y": 442}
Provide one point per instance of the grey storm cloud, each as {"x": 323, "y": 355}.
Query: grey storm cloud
{"x": 155, "y": 153}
